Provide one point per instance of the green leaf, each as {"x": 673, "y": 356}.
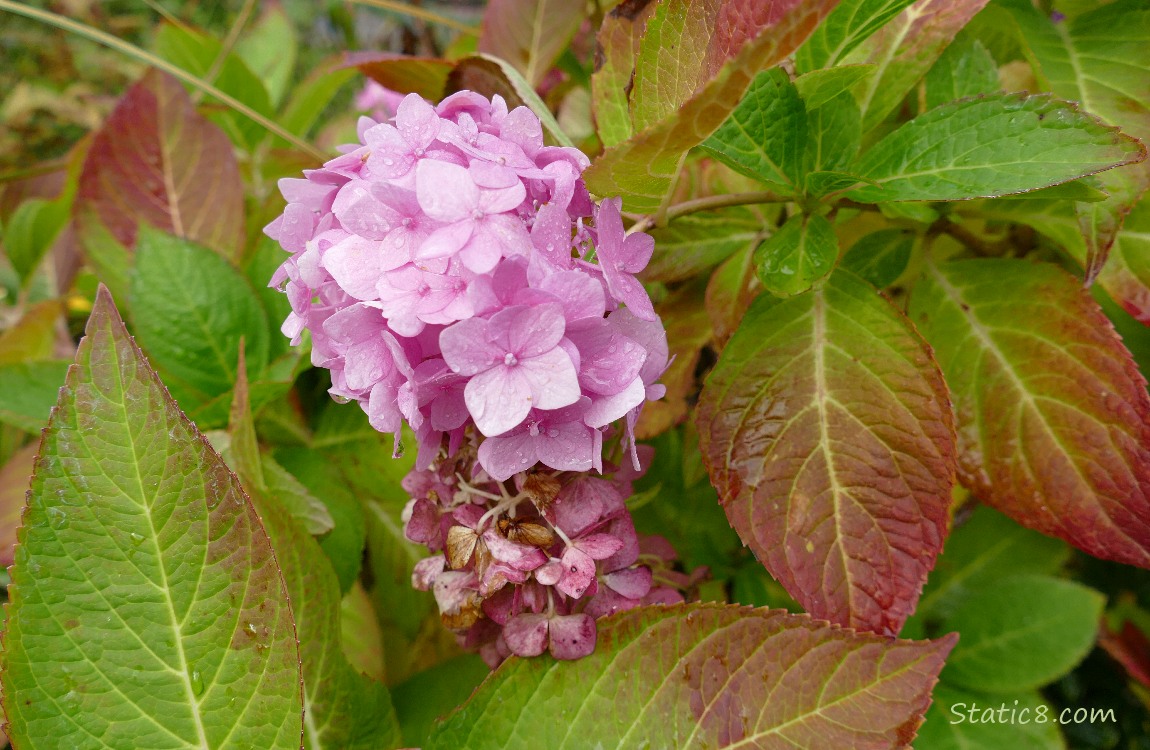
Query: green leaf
{"x": 190, "y": 309}
{"x": 32, "y": 337}
{"x": 832, "y": 144}
{"x": 983, "y": 551}
{"x": 197, "y": 54}
{"x": 820, "y": 86}
{"x": 1053, "y": 415}
{"x": 529, "y": 34}
{"x": 880, "y": 257}
{"x": 321, "y": 475}
{"x": 30, "y": 232}
{"x": 798, "y": 256}
{"x": 146, "y": 607}
{"x": 343, "y": 709}
{"x": 991, "y": 146}
{"x": 847, "y": 26}
{"x": 965, "y": 69}
{"x": 705, "y": 676}
{"x": 309, "y": 99}
{"x": 618, "y": 38}
{"x": 695, "y": 242}
{"x": 269, "y": 48}
{"x": 1027, "y": 723}
{"x": 1022, "y": 633}
{"x": 156, "y": 161}
{"x": 1126, "y": 275}
{"x": 423, "y": 698}
{"x": 825, "y": 414}
{"x": 28, "y": 390}
{"x": 764, "y": 137}
{"x": 746, "y": 37}
{"x": 905, "y": 49}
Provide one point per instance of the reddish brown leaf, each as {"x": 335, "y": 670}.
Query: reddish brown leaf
{"x": 707, "y": 676}
{"x": 827, "y": 431}
{"x": 426, "y": 76}
{"x": 1053, "y": 415}
{"x": 156, "y": 160}
{"x": 14, "y": 481}
{"x": 530, "y": 34}
{"x": 1129, "y": 647}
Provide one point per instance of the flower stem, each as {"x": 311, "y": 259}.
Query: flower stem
{"x": 707, "y": 203}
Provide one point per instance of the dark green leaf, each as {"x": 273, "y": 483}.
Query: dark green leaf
{"x": 432, "y": 694}
{"x": 191, "y": 308}
{"x": 764, "y": 137}
{"x": 28, "y": 391}
{"x": 698, "y": 241}
{"x": 832, "y": 143}
{"x": 990, "y": 146}
{"x": 820, "y": 86}
{"x": 880, "y": 257}
{"x": 30, "y": 232}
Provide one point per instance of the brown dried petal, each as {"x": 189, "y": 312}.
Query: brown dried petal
{"x": 460, "y": 546}
{"x": 542, "y": 490}
{"x": 526, "y": 532}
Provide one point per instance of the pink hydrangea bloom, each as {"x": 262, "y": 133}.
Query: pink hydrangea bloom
{"x": 455, "y": 275}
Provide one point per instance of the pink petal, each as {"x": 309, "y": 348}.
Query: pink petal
{"x": 527, "y": 331}
{"x": 498, "y": 399}
{"x": 637, "y": 251}
{"x": 633, "y": 583}
{"x": 609, "y": 361}
{"x": 551, "y": 379}
{"x": 356, "y": 264}
{"x": 608, "y": 602}
{"x": 526, "y": 634}
{"x": 550, "y": 573}
{"x": 506, "y": 455}
{"x": 519, "y": 556}
{"x": 446, "y": 241}
{"x": 572, "y": 636}
{"x": 498, "y": 200}
{"x": 606, "y": 409}
{"x": 578, "y": 572}
{"x": 566, "y": 447}
{"x": 417, "y": 121}
{"x": 466, "y": 347}
{"x": 599, "y": 546}
{"x": 426, "y": 571}
{"x": 446, "y": 191}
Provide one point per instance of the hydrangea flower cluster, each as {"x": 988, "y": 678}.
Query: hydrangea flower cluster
{"x": 455, "y": 275}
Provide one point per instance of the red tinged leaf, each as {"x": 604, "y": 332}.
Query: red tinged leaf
{"x": 426, "y": 76}
{"x": 156, "y": 160}
{"x": 1053, "y": 415}
{"x": 826, "y": 428}
{"x": 707, "y": 675}
{"x": 679, "y": 99}
{"x": 617, "y": 45}
{"x": 1129, "y": 647}
{"x": 530, "y": 34}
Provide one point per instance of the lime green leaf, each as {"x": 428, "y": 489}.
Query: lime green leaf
{"x": 1021, "y": 633}
{"x": 764, "y": 137}
{"x": 157, "y": 161}
{"x": 362, "y": 639}
{"x": 965, "y": 69}
{"x": 990, "y": 146}
{"x": 696, "y": 242}
{"x": 146, "y": 607}
{"x": 197, "y": 53}
{"x": 880, "y": 257}
{"x": 981, "y": 552}
{"x": 847, "y": 26}
{"x": 342, "y": 709}
{"x": 529, "y": 34}
{"x": 832, "y": 144}
{"x": 269, "y": 48}
{"x": 1027, "y": 723}
{"x": 824, "y": 414}
{"x": 28, "y": 390}
{"x": 798, "y": 256}
{"x": 190, "y": 309}
{"x": 905, "y": 49}
{"x": 746, "y": 37}
{"x": 705, "y": 676}
{"x": 820, "y": 86}
{"x": 1053, "y": 415}
{"x": 33, "y": 336}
